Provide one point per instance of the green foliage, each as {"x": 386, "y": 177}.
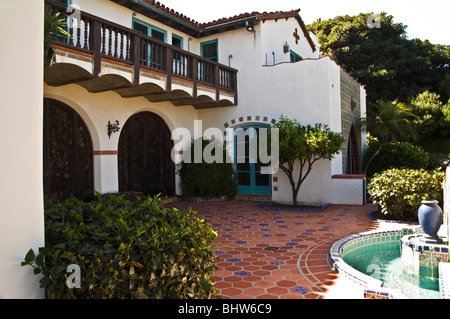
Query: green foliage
{"x": 390, "y": 65}
{"x": 399, "y": 192}
{"x": 433, "y": 117}
{"x": 395, "y": 155}
{"x": 208, "y": 180}
{"x": 306, "y": 144}
{"x": 387, "y": 121}
{"x": 53, "y": 26}
{"x": 125, "y": 250}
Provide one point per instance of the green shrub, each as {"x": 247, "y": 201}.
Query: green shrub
{"x": 399, "y": 192}
{"x": 208, "y": 180}
{"x": 396, "y": 155}
{"x": 125, "y": 250}
{"x": 436, "y": 160}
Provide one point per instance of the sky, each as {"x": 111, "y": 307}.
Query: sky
{"x": 426, "y": 20}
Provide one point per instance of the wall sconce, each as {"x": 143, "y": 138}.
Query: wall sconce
{"x": 113, "y": 128}
{"x": 286, "y": 48}
{"x": 249, "y": 26}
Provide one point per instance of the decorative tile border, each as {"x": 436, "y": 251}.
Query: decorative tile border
{"x": 266, "y": 205}
{"x": 444, "y": 280}
{"x": 373, "y": 288}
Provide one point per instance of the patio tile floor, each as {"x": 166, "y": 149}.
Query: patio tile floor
{"x": 264, "y": 253}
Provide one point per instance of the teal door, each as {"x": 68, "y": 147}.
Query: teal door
{"x": 250, "y": 181}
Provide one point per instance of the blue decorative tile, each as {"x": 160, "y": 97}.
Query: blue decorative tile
{"x": 243, "y": 273}
{"x": 300, "y": 289}
{"x": 277, "y": 262}
{"x": 246, "y": 227}
{"x": 233, "y": 260}
{"x": 240, "y": 242}
{"x": 292, "y": 244}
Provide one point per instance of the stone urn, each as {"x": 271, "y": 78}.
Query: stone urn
{"x": 430, "y": 218}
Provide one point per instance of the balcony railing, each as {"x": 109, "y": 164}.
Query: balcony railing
{"x": 106, "y": 40}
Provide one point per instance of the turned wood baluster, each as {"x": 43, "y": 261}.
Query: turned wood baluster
{"x": 116, "y": 43}
{"x": 86, "y": 35}
{"x": 103, "y": 35}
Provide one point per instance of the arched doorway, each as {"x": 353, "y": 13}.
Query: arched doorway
{"x": 145, "y": 162}
{"x": 68, "y": 153}
{"x": 250, "y": 178}
{"x": 353, "y": 158}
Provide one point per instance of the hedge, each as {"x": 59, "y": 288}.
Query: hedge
{"x": 125, "y": 249}
{"x": 399, "y": 192}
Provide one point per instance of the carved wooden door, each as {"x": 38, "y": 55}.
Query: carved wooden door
{"x": 68, "y": 155}
{"x": 145, "y": 163}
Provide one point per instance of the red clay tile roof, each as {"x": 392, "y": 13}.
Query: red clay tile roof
{"x": 261, "y": 16}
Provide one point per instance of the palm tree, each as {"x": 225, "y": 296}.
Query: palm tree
{"x": 53, "y": 25}
{"x": 388, "y": 121}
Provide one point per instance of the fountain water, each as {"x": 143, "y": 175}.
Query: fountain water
{"x": 389, "y": 264}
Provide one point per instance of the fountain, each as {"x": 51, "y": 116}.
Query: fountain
{"x": 404, "y": 262}
{"x": 422, "y": 252}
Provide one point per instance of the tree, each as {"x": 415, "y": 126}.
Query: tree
{"x": 53, "y": 25}
{"x": 389, "y": 121}
{"x": 430, "y": 121}
{"x": 305, "y": 144}
{"x": 381, "y": 57}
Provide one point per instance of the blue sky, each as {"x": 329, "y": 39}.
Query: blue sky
{"x": 425, "y": 20}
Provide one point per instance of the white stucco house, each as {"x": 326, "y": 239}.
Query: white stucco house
{"x": 152, "y": 70}
{"x": 130, "y": 74}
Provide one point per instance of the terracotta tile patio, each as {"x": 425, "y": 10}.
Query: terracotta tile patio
{"x": 277, "y": 254}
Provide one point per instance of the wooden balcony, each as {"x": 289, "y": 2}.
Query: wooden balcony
{"x": 102, "y": 56}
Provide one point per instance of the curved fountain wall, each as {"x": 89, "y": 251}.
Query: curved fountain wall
{"x": 372, "y": 287}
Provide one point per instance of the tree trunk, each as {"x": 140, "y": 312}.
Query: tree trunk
{"x": 380, "y": 145}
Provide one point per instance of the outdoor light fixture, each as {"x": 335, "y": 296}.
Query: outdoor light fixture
{"x": 249, "y": 25}
{"x": 113, "y": 128}
{"x": 286, "y": 48}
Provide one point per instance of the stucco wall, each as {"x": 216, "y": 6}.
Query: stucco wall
{"x": 22, "y": 219}
{"x": 96, "y": 109}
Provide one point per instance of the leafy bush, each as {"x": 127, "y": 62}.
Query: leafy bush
{"x": 208, "y": 180}
{"x": 436, "y": 160}
{"x": 396, "y": 155}
{"x": 399, "y": 192}
{"x": 125, "y": 250}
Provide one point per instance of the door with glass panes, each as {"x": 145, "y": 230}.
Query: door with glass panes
{"x": 250, "y": 180}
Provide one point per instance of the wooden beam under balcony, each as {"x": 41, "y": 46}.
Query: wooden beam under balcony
{"x": 103, "y": 56}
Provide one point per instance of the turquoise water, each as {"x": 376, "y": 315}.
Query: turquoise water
{"x": 383, "y": 262}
